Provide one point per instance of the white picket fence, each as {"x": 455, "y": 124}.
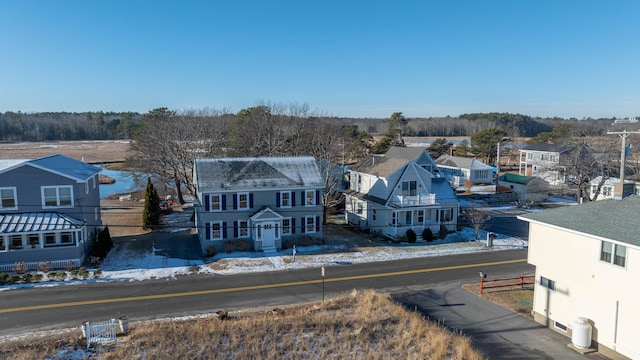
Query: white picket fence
{"x": 100, "y": 332}
{"x": 58, "y": 264}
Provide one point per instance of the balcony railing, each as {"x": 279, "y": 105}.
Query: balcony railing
{"x": 417, "y": 200}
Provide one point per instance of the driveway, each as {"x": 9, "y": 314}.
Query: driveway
{"x": 497, "y": 332}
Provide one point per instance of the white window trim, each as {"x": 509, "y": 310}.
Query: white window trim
{"x": 287, "y": 227}
{"x": 57, "y": 188}
{"x": 15, "y": 198}
{"x": 306, "y": 224}
{"x": 282, "y": 200}
{"x": 211, "y": 209}
{"x": 240, "y": 236}
{"x": 239, "y": 202}
{"x": 313, "y": 197}
{"x": 211, "y": 229}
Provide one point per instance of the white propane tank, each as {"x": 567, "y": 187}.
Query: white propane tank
{"x": 581, "y": 335}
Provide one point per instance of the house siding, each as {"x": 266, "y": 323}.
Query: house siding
{"x": 261, "y": 199}
{"x": 28, "y": 181}
{"x": 575, "y": 266}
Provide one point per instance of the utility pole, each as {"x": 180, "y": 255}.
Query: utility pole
{"x": 623, "y": 135}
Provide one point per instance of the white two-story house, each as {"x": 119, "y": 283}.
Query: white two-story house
{"x": 587, "y": 260}
{"x": 392, "y": 193}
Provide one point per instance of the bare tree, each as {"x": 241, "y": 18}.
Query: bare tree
{"x": 477, "y": 219}
{"x": 167, "y": 142}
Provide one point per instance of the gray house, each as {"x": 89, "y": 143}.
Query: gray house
{"x": 49, "y": 210}
{"x": 265, "y": 200}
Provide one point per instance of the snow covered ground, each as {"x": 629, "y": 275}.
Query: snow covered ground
{"x": 124, "y": 265}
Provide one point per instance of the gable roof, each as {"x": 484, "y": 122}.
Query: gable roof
{"x": 384, "y": 165}
{"x": 256, "y": 173}
{"x": 607, "y": 219}
{"x": 57, "y": 164}
{"x": 460, "y": 162}
{"x": 559, "y": 148}
{"x": 405, "y": 153}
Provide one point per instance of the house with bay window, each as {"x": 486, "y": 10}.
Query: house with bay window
{"x": 400, "y": 190}
{"x": 49, "y": 210}
{"x": 587, "y": 260}
{"x": 265, "y": 200}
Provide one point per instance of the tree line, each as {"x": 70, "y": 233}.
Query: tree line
{"x": 68, "y": 126}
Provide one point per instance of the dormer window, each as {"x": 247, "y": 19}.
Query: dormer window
{"x": 409, "y": 188}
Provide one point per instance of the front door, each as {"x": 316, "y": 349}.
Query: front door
{"x": 268, "y": 234}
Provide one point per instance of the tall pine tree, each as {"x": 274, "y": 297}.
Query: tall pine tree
{"x": 151, "y": 212}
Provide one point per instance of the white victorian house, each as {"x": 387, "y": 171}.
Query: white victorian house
{"x": 400, "y": 190}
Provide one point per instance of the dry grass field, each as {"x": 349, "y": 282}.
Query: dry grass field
{"x": 359, "y": 325}
{"x": 94, "y": 152}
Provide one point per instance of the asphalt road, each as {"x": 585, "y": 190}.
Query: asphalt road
{"x": 26, "y": 310}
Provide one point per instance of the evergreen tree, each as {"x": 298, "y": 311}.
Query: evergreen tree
{"x": 151, "y": 212}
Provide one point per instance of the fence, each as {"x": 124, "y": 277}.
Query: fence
{"x": 100, "y": 332}
{"x": 56, "y": 264}
{"x": 520, "y": 281}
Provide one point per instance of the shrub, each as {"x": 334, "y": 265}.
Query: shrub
{"x": 306, "y": 240}
{"x": 443, "y": 232}
{"x": 52, "y": 275}
{"x": 212, "y": 251}
{"x": 83, "y": 272}
{"x": 12, "y": 279}
{"x": 288, "y": 244}
{"x": 69, "y": 265}
{"x": 3, "y": 278}
{"x": 74, "y": 273}
{"x": 102, "y": 246}
{"x": 427, "y": 234}
{"x": 44, "y": 266}
{"x": 26, "y": 278}
{"x": 36, "y": 277}
{"x": 20, "y": 267}
{"x": 228, "y": 246}
{"x": 242, "y": 245}
{"x": 61, "y": 275}
{"x": 411, "y": 236}
{"x": 97, "y": 273}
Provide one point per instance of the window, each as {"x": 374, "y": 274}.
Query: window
{"x": 49, "y": 239}
{"x": 34, "y": 239}
{"x": 420, "y": 216}
{"x": 286, "y": 226}
{"x": 15, "y": 241}
{"x": 360, "y": 208}
{"x": 560, "y": 326}
{"x": 409, "y": 188}
{"x": 216, "y": 231}
{"x": 259, "y": 232}
{"x": 243, "y": 229}
{"x": 547, "y": 283}
{"x": 444, "y": 215}
{"x": 594, "y": 188}
{"x": 57, "y": 196}
{"x": 407, "y": 217}
{"x": 393, "y": 218}
{"x": 8, "y": 199}
{"x": 215, "y": 203}
{"x": 310, "y": 198}
{"x": 482, "y": 174}
{"x": 285, "y": 199}
{"x": 373, "y": 215}
{"x": 606, "y": 190}
{"x": 613, "y": 253}
{"x": 310, "y": 224}
{"x": 243, "y": 201}
{"x": 66, "y": 238}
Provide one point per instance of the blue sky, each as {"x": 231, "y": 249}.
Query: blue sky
{"x": 370, "y": 58}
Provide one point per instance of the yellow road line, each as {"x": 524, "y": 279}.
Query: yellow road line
{"x": 252, "y": 287}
